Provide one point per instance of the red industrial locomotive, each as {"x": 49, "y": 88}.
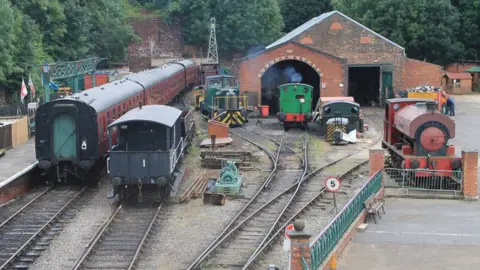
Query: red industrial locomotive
{"x": 416, "y": 135}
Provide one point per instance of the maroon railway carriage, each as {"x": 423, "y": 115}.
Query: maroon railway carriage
{"x": 416, "y": 136}
{"x": 71, "y": 134}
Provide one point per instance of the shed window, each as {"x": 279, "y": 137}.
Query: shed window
{"x": 456, "y": 83}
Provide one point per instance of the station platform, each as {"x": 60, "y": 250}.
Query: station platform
{"x": 17, "y": 161}
{"x": 418, "y": 234}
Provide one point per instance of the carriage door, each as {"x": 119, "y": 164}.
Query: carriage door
{"x": 386, "y": 84}
{"x": 64, "y": 136}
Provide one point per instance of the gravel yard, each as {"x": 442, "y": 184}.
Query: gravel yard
{"x": 69, "y": 245}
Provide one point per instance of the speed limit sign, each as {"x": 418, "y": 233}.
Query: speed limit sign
{"x": 332, "y": 184}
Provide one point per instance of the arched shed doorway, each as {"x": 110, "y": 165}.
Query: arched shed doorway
{"x": 287, "y": 71}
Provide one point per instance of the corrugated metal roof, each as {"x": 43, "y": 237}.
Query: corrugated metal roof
{"x": 473, "y": 69}
{"x": 160, "y": 114}
{"x": 458, "y": 76}
{"x": 302, "y": 28}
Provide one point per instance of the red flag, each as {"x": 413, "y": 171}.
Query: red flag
{"x": 23, "y": 90}
{"x": 32, "y": 87}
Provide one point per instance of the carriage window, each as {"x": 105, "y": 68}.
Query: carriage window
{"x": 108, "y": 118}
{"x": 237, "y": 83}
{"x": 113, "y": 114}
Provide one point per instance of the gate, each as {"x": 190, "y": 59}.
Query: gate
{"x": 424, "y": 180}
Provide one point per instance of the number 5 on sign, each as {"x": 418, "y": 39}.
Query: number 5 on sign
{"x": 333, "y": 184}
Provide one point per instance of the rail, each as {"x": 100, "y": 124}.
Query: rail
{"x": 28, "y": 242}
{"x": 126, "y": 259}
{"x": 216, "y": 242}
{"x": 273, "y": 230}
{"x": 323, "y": 244}
{"x": 320, "y": 194}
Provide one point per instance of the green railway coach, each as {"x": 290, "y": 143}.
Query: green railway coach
{"x": 295, "y": 105}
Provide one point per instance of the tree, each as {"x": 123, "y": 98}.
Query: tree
{"x": 470, "y": 28}
{"x": 112, "y": 34}
{"x": 426, "y": 28}
{"x": 51, "y": 20}
{"x": 240, "y": 24}
{"x": 77, "y": 43}
{"x": 297, "y": 12}
{"x": 7, "y": 28}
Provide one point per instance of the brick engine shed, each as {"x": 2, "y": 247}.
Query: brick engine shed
{"x": 339, "y": 57}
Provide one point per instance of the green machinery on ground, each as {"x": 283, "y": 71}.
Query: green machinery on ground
{"x": 230, "y": 181}
{"x": 222, "y": 100}
{"x": 340, "y": 116}
{"x": 295, "y": 104}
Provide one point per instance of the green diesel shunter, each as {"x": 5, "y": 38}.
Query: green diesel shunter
{"x": 295, "y": 105}
{"x": 222, "y": 100}
{"x": 340, "y": 116}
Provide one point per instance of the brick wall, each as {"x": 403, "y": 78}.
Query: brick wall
{"x": 470, "y": 174}
{"x": 459, "y": 67}
{"x": 417, "y": 73}
{"x": 159, "y": 40}
{"x": 332, "y": 68}
{"x": 344, "y": 38}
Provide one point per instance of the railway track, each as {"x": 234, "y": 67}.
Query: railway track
{"x": 236, "y": 248}
{"x": 29, "y": 231}
{"x": 118, "y": 242}
{"x": 312, "y": 194}
{"x": 241, "y": 233}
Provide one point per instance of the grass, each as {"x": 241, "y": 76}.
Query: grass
{"x": 315, "y": 144}
{"x": 270, "y": 145}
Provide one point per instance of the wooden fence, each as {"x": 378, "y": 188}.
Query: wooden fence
{"x": 13, "y": 131}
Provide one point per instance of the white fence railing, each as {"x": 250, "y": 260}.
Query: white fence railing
{"x": 421, "y": 179}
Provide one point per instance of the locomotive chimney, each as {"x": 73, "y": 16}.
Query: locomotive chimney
{"x": 431, "y": 106}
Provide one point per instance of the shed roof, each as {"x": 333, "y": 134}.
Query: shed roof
{"x": 160, "y": 114}
{"x": 302, "y": 28}
{"x": 473, "y": 69}
{"x": 458, "y": 75}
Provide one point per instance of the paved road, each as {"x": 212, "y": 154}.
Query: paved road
{"x": 425, "y": 234}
